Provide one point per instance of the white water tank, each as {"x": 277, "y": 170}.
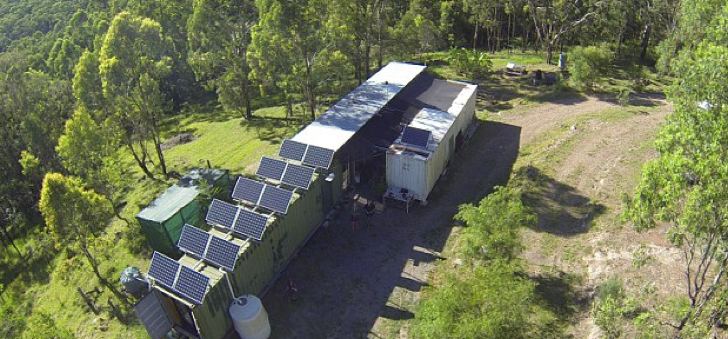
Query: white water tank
{"x": 249, "y": 317}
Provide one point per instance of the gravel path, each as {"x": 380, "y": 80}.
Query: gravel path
{"x": 361, "y": 283}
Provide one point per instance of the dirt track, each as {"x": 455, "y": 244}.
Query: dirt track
{"x": 364, "y": 283}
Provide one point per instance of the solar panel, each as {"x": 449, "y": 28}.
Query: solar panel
{"x": 247, "y": 190}
{"x": 163, "y": 269}
{"x": 221, "y": 213}
{"x": 251, "y": 224}
{"x": 318, "y": 156}
{"x": 299, "y": 176}
{"x": 276, "y": 199}
{"x": 192, "y": 285}
{"x": 193, "y": 240}
{"x": 223, "y": 253}
{"x": 292, "y": 150}
{"x": 271, "y": 168}
{"x": 416, "y": 136}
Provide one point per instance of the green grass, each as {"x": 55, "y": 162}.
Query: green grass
{"x": 226, "y": 140}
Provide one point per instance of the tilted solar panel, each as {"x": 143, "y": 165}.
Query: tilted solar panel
{"x": 299, "y": 176}
{"x": 192, "y": 285}
{"x": 163, "y": 269}
{"x": 221, "y": 213}
{"x": 193, "y": 240}
{"x": 222, "y": 253}
{"x": 416, "y": 136}
{"x": 292, "y": 150}
{"x": 276, "y": 199}
{"x": 250, "y": 224}
{"x": 271, "y": 168}
{"x": 247, "y": 190}
{"x": 318, "y": 156}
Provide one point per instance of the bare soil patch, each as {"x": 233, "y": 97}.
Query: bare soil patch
{"x": 365, "y": 282}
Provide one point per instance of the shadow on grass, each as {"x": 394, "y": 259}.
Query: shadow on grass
{"x": 559, "y": 97}
{"x": 556, "y": 293}
{"x": 561, "y": 209}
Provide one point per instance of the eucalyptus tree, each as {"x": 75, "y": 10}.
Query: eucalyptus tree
{"x": 555, "y": 18}
{"x": 685, "y": 186}
{"x": 133, "y": 61}
{"x": 218, "y": 40}
{"x": 292, "y": 49}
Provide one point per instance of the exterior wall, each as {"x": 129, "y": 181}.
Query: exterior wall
{"x": 261, "y": 263}
{"x": 406, "y": 171}
{"x": 211, "y": 318}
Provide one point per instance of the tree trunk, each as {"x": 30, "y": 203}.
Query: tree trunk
{"x": 11, "y": 241}
{"x": 645, "y": 42}
{"x": 367, "y": 53}
{"x": 475, "y": 36}
{"x": 141, "y": 162}
{"x": 380, "y": 58}
{"x": 160, "y": 155}
{"x": 549, "y": 52}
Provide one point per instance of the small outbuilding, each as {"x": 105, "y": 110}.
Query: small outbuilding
{"x": 426, "y": 145}
{"x": 161, "y": 222}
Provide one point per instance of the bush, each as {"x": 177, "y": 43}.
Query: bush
{"x": 474, "y": 64}
{"x": 496, "y": 302}
{"x": 589, "y": 65}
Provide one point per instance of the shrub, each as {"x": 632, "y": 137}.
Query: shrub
{"x": 474, "y": 64}
{"x": 590, "y": 64}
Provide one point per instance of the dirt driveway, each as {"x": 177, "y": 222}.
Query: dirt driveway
{"x": 364, "y": 283}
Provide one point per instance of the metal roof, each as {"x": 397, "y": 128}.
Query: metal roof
{"x": 439, "y": 122}
{"x": 340, "y": 122}
{"x": 169, "y": 203}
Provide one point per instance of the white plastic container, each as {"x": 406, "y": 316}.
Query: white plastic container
{"x": 249, "y": 317}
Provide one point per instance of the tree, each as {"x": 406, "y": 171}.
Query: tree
{"x": 133, "y": 62}
{"x": 88, "y": 150}
{"x": 74, "y": 216}
{"x": 493, "y": 301}
{"x": 292, "y": 46}
{"x": 685, "y": 186}
{"x": 493, "y": 226}
{"x": 219, "y": 35}
{"x": 554, "y": 18}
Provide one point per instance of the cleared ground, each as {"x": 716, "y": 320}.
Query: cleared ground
{"x": 578, "y": 155}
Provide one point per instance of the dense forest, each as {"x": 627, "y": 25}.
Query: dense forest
{"x": 83, "y": 81}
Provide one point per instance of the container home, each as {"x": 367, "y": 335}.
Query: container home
{"x": 425, "y": 146}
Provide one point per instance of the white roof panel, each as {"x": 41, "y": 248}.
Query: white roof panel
{"x": 340, "y": 122}
{"x": 439, "y": 122}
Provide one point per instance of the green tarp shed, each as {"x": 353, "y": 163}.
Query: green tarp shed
{"x": 161, "y": 222}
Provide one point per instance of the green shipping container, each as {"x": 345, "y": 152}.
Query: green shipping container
{"x": 161, "y": 222}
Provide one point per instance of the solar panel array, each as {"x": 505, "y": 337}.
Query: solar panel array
{"x": 415, "y": 136}
{"x": 318, "y": 156}
{"x": 246, "y": 223}
{"x": 247, "y": 190}
{"x": 271, "y": 168}
{"x": 213, "y": 249}
{"x": 181, "y": 279}
{"x": 276, "y": 199}
{"x": 308, "y": 154}
{"x": 292, "y": 150}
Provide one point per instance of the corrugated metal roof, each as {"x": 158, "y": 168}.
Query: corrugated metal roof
{"x": 340, "y": 122}
{"x": 439, "y": 122}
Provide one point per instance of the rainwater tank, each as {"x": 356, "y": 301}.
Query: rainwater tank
{"x": 249, "y": 317}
